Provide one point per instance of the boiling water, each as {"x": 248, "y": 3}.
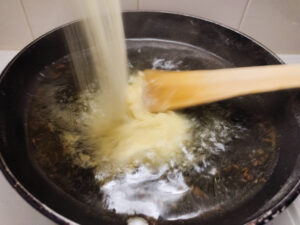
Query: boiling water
{"x": 228, "y": 158}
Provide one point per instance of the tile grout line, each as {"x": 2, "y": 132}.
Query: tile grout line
{"x": 26, "y": 18}
{"x": 244, "y": 14}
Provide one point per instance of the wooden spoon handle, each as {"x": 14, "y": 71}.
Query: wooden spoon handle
{"x": 179, "y": 89}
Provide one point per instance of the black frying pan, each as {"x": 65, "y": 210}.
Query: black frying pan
{"x": 199, "y": 44}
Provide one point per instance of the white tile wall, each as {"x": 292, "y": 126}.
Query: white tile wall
{"x": 229, "y": 12}
{"x": 129, "y": 4}
{"x": 275, "y": 23}
{"x": 44, "y": 15}
{"x": 14, "y": 30}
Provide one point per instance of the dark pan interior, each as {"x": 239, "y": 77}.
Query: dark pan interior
{"x": 199, "y": 44}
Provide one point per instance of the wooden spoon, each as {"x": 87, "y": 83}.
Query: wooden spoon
{"x": 178, "y": 89}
